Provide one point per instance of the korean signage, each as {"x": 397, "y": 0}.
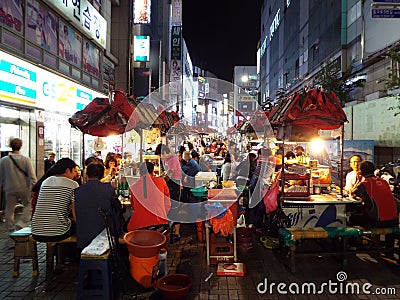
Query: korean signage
{"x": 41, "y": 25}
{"x": 11, "y": 15}
{"x": 176, "y": 42}
{"x": 141, "y": 48}
{"x": 24, "y": 83}
{"x": 141, "y": 11}
{"x": 84, "y": 16}
{"x": 385, "y": 13}
{"x": 176, "y": 12}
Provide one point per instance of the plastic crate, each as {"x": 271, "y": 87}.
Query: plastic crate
{"x": 228, "y": 198}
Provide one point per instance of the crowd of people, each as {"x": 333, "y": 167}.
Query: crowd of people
{"x": 66, "y": 201}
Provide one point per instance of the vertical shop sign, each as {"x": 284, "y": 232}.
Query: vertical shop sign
{"x": 11, "y": 15}
{"x": 141, "y": 11}
{"x": 176, "y": 42}
{"x": 176, "y": 12}
{"x": 108, "y": 75}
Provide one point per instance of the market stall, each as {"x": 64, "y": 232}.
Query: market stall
{"x": 308, "y": 195}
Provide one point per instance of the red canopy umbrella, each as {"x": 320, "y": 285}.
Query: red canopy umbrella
{"x": 105, "y": 116}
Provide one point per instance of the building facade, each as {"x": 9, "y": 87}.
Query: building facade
{"x": 298, "y": 37}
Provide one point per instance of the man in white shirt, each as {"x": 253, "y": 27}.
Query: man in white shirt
{"x": 353, "y": 177}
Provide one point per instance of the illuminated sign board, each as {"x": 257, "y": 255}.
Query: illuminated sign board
{"x": 141, "y": 47}
{"x": 141, "y": 11}
{"x": 24, "y": 83}
{"x": 84, "y": 16}
{"x": 275, "y": 24}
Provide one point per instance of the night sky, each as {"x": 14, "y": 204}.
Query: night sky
{"x": 222, "y": 33}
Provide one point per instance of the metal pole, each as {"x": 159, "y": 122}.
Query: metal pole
{"x": 341, "y": 159}
{"x": 83, "y": 149}
{"x": 141, "y": 145}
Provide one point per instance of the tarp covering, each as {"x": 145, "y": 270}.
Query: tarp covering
{"x": 314, "y": 109}
{"x": 105, "y": 116}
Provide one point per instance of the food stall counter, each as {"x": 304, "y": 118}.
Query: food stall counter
{"x": 324, "y": 210}
{"x": 321, "y": 199}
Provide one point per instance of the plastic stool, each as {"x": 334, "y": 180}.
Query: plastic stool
{"x": 25, "y": 248}
{"x": 95, "y": 287}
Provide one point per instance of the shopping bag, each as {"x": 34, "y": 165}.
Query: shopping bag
{"x": 271, "y": 198}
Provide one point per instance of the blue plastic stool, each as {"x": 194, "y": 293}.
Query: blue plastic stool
{"x": 89, "y": 283}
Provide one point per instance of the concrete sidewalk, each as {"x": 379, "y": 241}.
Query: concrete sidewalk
{"x": 264, "y": 269}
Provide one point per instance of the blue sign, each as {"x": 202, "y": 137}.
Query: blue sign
{"x": 385, "y": 13}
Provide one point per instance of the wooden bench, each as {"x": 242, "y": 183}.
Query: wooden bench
{"x": 290, "y": 236}
{"x": 25, "y": 248}
{"x": 53, "y": 249}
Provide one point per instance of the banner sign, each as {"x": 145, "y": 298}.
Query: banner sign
{"x": 91, "y": 59}
{"x": 11, "y": 15}
{"x": 41, "y": 26}
{"x": 70, "y": 44}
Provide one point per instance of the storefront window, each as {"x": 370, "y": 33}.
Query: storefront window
{"x": 14, "y": 123}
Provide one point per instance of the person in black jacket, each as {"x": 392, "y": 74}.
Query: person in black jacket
{"x": 89, "y": 198}
{"x": 49, "y": 161}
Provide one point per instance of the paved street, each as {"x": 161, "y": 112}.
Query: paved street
{"x": 188, "y": 256}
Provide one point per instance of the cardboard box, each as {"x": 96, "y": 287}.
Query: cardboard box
{"x": 231, "y": 269}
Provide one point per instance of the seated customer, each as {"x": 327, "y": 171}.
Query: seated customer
{"x": 379, "y": 206}
{"x": 91, "y": 197}
{"x": 354, "y": 176}
{"x": 149, "y": 199}
{"x": 51, "y": 221}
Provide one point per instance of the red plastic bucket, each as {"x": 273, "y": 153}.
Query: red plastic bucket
{"x": 144, "y": 269}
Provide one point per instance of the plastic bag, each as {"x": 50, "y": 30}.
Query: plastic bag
{"x": 271, "y": 198}
{"x": 99, "y": 245}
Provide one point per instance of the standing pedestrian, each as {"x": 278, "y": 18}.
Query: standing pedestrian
{"x": 17, "y": 178}
{"x": 49, "y": 161}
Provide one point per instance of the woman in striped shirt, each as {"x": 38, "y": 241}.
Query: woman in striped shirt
{"x": 51, "y": 221}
